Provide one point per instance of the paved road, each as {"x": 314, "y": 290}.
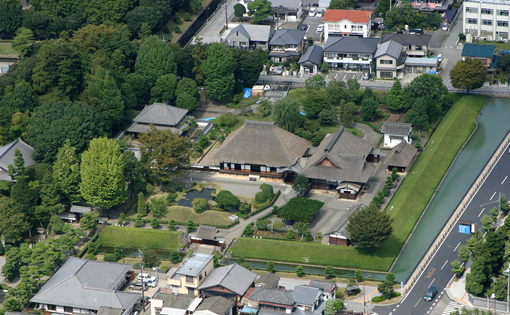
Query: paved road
{"x": 439, "y": 273}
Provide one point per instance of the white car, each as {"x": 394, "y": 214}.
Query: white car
{"x": 146, "y": 277}
{"x": 312, "y": 12}
{"x": 320, "y": 13}
{"x": 440, "y": 57}
{"x": 151, "y": 283}
{"x": 320, "y": 28}
{"x": 445, "y": 26}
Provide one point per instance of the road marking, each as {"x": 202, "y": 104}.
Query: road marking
{"x": 432, "y": 282}
{"x": 364, "y": 298}
{"x": 345, "y": 76}
{"x": 492, "y": 196}
{"x": 504, "y": 180}
{"x": 456, "y": 247}
{"x": 417, "y": 303}
{"x": 481, "y": 212}
{"x": 444, "y": 264}
{"x": 336, "y": 75}
{"x": 431, "y": 272}
{"x": 398, "y": 306}
{"x": 327, "y": 77}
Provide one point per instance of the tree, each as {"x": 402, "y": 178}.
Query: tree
{"x": 329, "y": 307}
{"x": 164, "y": 152}
{"x": 199, "y": 55}
{"x": 468, "y": 74}
{"x": 134, "y": 171}
{"x": 11, "y": 15}
{"x": 316, "y": 82}
{"x": 300, "y": 210}
{"x": 195, "y": 5}
{"x": 270, "y": 267}
{"x": 66, "y": 173}
{"x": 487, "y": 222}
{"x": 464, "y": 253}
{"x": 54, "y": 122}
{"x": 239, "y": 10}
{"x": 259, "y": 9}
{"x": 369, "y": 227}
{"x": 189, "y": 87}
{"x": 299, "y": 271}
{"x": 158, "y": 207}
{"x": 22, "y": 41}
{"x": 435, "y": 93}
{"x": 190, "y": 227}
{"x": 155, "y": 223}
{"x": 397, "y": 99}
{"x": 287, "y": 115}
{"x": 21, "y": 98}
{"x": 386, "y": 289}
{"x": 457, "y": 269}
{"x": 329, "y": 272}
{"x": 226, "y": 200}
{"x": 88, "y": 221}
{"x": 217, "y": 68}
{"x": 141, "y": 15}
{"x": 404, "y": 14}
{"x": 13, "y": 222}
{"x": 17, "y": 170}
{"x": 186, "y": 101}
{"x": 102, "y": 173}
{"x": 419, "y": 117}
{"x": 327, "y": 117}
{"x": 248, "y": 65}
{"x": 164, "y": 90}
{"x": 174, "y": 256}
{"x": 315, "y": 102}
{"x": 339, "y": 304}
{"x": 154, "y": 59}
{"x": 200, "y": 204}
{"x": 301, "y": 185}
{"x": 150, "y": 258}
{"x": 368, "y": 109}
{"x": 141, "y": 208}
{"x": 342, "y": 4}
{"x": 503, "y": 204}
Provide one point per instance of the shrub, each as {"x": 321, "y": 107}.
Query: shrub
{"x": 359, "y": 275}
{"x": 245, "y": 208}
{"x": 248, "y": 231}
{"x": 149, "y": 188}
{"x": 2, "y": 248}
{"x": 170, "y": 198}
{"x": 138, "y": 222}
{"x": 187, "y": 17}
{"x": 91, "y": 257}
{"x": 270, "y": 267}
{"x": 174, "y": 257}
{"x": 177, "y": 18}
{"x": 177, "y": 29}
{"x": 155, "y": 223}
{"x": 378, "y": 299}
{"x": 171, "y": 225}
{"x": 300, "y": 209}
{"x": 260, "y": 197}
{"x": 245, "y": 265}
{"x": 228, "y": 120}
{"x": 166, "y": 30}
{"x": 110, "y": 258}
{"x": 299, "y": 271}
{"x": 190, "y": 226}
{"x": 200, "y": 205}
{"x": 226, "y": 200}
{"x": 267, "y": 190}
{"x": 340, "y": 293}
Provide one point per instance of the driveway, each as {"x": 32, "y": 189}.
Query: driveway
{"x": 437, "y": 39}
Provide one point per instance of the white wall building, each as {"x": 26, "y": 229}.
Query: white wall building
{"x": 347, "y": 23}
{"x": 486, "y": 19}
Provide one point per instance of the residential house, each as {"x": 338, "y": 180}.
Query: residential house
{"x": 164, "y": 302}
{"x": 429, "y": 6}
{"x": 421, "y": 65}
{"x": 485, "y": 53}
{"x": 268, "y": 300}
{"x": 401, "y": 157}
{"x": 286, "y": 45}
{"x": 268, "y": 280}
{"x": 84, "y": 286}
{"x": 414, "y": 45}
{"x": 389, "y": 58}
{"x": 215, "y": 305}
{"x": 328, "y": 289}
{"x": 7, "y": 157}
{"x": 207, "y": 235}
{"x": 347, "y": 23}
{"x": 250, "y": 36}
{"x": 267, "y": 151}
{"x": 395, "y": 132}
{"x": 287, "y": 10}
{"x": 311, "y": 60}
{"x": 486, "y": 20}
{"x": 230, "y": 282}
{"x": 192, "y": 272}
{"x": 160, "y": 115}
{"x": 341, "y": 163}
{"x": 350, "y": 53}
{"x": 306, "y": 298}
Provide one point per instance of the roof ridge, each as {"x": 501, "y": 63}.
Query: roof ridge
{"x": 10, "y": 145}
{"x": 363, "y": 42}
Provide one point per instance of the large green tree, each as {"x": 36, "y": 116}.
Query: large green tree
{"x": 217, "y": 68}
{"x": 13, "y": 222}
{"x": 11, "y": 15}
{"x": 260, "y": 9}
{"x": 397, "y": 100}
{"x": 66, "y": 173}
{"x": 315, "y": 102}
{"x": 468, "y": 74}
{"x": 287, "y": 114}
{"x": 404, "y": 14}
{"x": 102, "y": 174}
{"x": 369, "y": 227}
{"x": 301, "y": 185}
{"x": 22, "y": 98}
{"x": 368, "y": 109}
{"x": 164, "y": 152}
{"x": 164, "y": 89}
{"x": 418, "y": 116}
{"x": 249, "y": 64}
{"x": 342, "y": 4}
{"x": 431, "y": 88}
{"x": 54, "y": 122}
{"x": 154, "y": 59}
{"x": 22, "y": 41}
{"x": 188, "y": 86}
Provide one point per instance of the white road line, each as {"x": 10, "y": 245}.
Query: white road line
{"x": 456, "y": 247}
{"x": 504, "y": 180}
{"x": 432, "y": 282}
{"x": 336, "y": 75}
{"x": 345, "y": 76}
{"x": 417, "y": 303}
{"x": 444, "y": 264}
{"x": 398, "y": 306}
{"x": 492, "y": 196}
{"x": 327, "y": 77}
{"x": 481, "y": 212}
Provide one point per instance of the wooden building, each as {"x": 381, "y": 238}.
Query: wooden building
{"x": 401, "y": 157}
{"x": 207, "y": 235}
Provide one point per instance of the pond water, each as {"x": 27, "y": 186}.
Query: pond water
{"x": 133, "y": 252}
{"x": 191, "y": 195}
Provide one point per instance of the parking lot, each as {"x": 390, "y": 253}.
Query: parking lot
{"x": 344, "y": 75}
{"x": 312, "y": 22}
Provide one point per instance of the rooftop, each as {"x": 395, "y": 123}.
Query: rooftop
{"x": 323, "y": 285}
{"x": 408, "y": 39}
{"x": 305, "y": 295}
{"x": 476, "y": 50}
{"x": 396, "y": 128}
{"x": 7, "y": 153}
{"x": 268, "y": 280}
{"x": 351, "y": 44}
{"x": 258, "y": 33}
{"x": 390, "y": 48}
{"x": 216, "y": 304}
{"x": 401, "y": 155}
{"x": 287, "y": 37}
{"x": 177, "y": 301}
{"x": 354, "y": 16}
{"x": 194, "y": 265}
{"x": 234, "y": 278}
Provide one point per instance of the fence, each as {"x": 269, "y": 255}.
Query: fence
{"x": 457, "y": 214}
{"x": 487, "y": 303}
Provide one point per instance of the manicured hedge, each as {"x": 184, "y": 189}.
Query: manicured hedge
{"x": 300, "y": 209}
{"x": 269, "y": 204}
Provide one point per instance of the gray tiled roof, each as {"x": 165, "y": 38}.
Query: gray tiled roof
{"x": 351, "y": 44}
{"x": 177, "y": 301}
{"x": 7, "y": 153}
{"x": 323, "y": 285}
{"x": 290, "y": 4}
{"x": 218, "y": 305}
{"x": 396, "y": 128}
{"x": 257, "y": 33}
{"x": 268, "y": 280}
{"x": 80, "y": 209}
{"x": 269, "y": 295}
{"x": 110, "y": 311}
{"x": 232, "y": 277}
{"x": 408, "y": 39}
{"x": 206, "y": 232}
{"x": 194, "y": 265}
{"x": 287, "y": 37}
{"x": 140, "y": 127}
{"x": 161, "y": 114}
{"x": 305, "y": 295}
{"x": 390, "y": 48}
{"x": 87, "y": 284}
{"x": 312, "y": 54}
{"x": 262, "y": 143}
{"x": 401, "y": 155}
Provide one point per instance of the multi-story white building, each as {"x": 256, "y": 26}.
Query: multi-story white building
{"x": 347, "y": 23}
{"x": 486, "y": 19}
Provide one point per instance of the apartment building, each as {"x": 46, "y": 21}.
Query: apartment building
{"x": 486, "y": 19}
{"x": 347, "y": 23}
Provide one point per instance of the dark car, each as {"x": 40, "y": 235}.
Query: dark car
{"x": 315, "y": 5}
{"x": 417, "y": 31}
{"x": 303, "y": 27}
{"x": 431, "y": 293}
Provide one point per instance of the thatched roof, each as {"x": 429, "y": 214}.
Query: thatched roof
{"x": 262, "y": 143}
{"x": 206, "y": 232}
{"x": 401, "y": 155}
{"x": 347, "y": 156}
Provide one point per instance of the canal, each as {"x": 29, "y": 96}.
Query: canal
{"x": 492, "y": 128}
{"x": 201, "y": 20}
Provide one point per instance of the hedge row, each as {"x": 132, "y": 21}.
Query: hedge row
{"x": 267, "y": 205}
{"x": 86, "y": 247}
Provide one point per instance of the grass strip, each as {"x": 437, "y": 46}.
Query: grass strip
{"x": 139, "y": 238}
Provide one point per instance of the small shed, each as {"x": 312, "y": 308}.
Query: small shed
{"x": 268, "y": 280}
{"x": 338, "y": 239}
{"x": 207, "y": 235}
{"x": 257, "y": 90}
{"x": 395, "y": 132}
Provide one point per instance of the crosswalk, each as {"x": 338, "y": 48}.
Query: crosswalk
{"x": 452, "y": 307}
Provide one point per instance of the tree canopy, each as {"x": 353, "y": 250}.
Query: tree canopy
{"x": 154, "y": 59}
{"x": 259, "y": 9}
{"x": 431, "y": 88}
{"x": 287, "y": 114}
{"x": 300, "y": 209}
{"x": 369, "y": 227}
{"x": 468, "y": 74}
{"x": 217, "y": 68}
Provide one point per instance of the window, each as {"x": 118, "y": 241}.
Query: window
{"x": 329, "y": 55}
{"x": 502, "y": 12}
{"x": 418, "y": 47}
{"x": 52, "y": 307}
{"x": 200, "y": 276}
{"x": 243, "y": 44}
{"x": 191, "y": 291}
{"x": 366, "y": 57}
{"x": 345, "y": 26}
{"x": 355, "y": 56}
{"x": 386, "y": 75}
{"x": 486, "y": 22}
{"x": 189, "y": 279}
{"x": 292, "y": 46}
{"x": 68, "y": 309}
{"x": 487, "y": 11}
{"x": 471, "y": 10}
{"x": 503, "y": 23}
{"x": 386, "y": 62}
{"x": 472, "y": 21}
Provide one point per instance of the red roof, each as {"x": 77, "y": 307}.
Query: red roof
{"x": 355, "y": 16}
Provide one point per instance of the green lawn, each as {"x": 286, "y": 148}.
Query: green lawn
{"x": 183, "y": 214}
{"x": 139, "y": 238}
{"x": 6, "y": 49}
{"x": 408, "y": 203}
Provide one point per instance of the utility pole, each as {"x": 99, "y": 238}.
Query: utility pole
{"x": 507, "y": 273}
{"x": 226, "y": 17}
{"x": 141, "y": 278}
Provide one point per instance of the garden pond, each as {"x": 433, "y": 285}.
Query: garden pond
{"x": 191, "y": 195}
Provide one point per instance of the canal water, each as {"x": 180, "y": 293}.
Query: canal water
{"x": 492, "y": 127}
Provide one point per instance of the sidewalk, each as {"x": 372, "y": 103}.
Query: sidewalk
{"x": 457, "y": 290}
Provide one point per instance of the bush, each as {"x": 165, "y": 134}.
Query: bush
{"x": 177, "y": 18}
{"x": 91, "y": 257}
{"x": 7, "y": 248}
{"x": 2, "y": 248}
{"x": 245, "y": 265}
{"x": 149, "y": 188}
{"x": 200, "y": 204}
{"x": 267, "y": 190}
{"x": 170, "y": 198}
{"x": 378, "y": 299}
{"x": 187, "y": 17}
{"x": 226, "y": 200}
{"x": 260, "y": 197}
{"x": 340, "y": 293}
{"x": 110, "y": 258}
{"x": 299, "y": 271}
{"x": 270, "y": 267}
{"x": 177, "y": 29}
{"x": 166, "y": 30}
{"x": 300, "y": 209}
{"x": 228, "y": 120}
{"x": 359, "y": 275}
{"x": 174, "y": 257}
{"x": 155, "y": 223}
{"x": 245, "y": 208}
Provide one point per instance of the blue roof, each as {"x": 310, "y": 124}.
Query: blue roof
{"x": 476, "y": 50}
{"x": 251, "y": 310}
{"x": 494, "y": 62}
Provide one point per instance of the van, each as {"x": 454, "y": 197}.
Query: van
{"x": 312, "y": 12}
{"x": 139, "y": 286}
{"x": 431, "y": 293}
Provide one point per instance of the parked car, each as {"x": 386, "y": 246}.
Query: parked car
{"x": 445, "y": 26}
{"x": 279, "y": 70}
{"x": 312, "y": 12}
{"x": 440, "y": 57}
{"x": 315, "y": 5}
{"x": 303, "y": 27}
{"x": 417, "y": 31}
{"x": 431, "y": 293}
{"x": 320, "y": 13}
{"x": 320, "y": 28}
{"x": 146, "y": 277}
{"x": 366, "y": 76}
{"x": 139, "y": 286}
{"x": 151, "y": 283}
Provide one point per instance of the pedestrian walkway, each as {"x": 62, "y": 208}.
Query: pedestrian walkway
{"x": 452, "y": 307}
{"x": 457, "y": 290}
